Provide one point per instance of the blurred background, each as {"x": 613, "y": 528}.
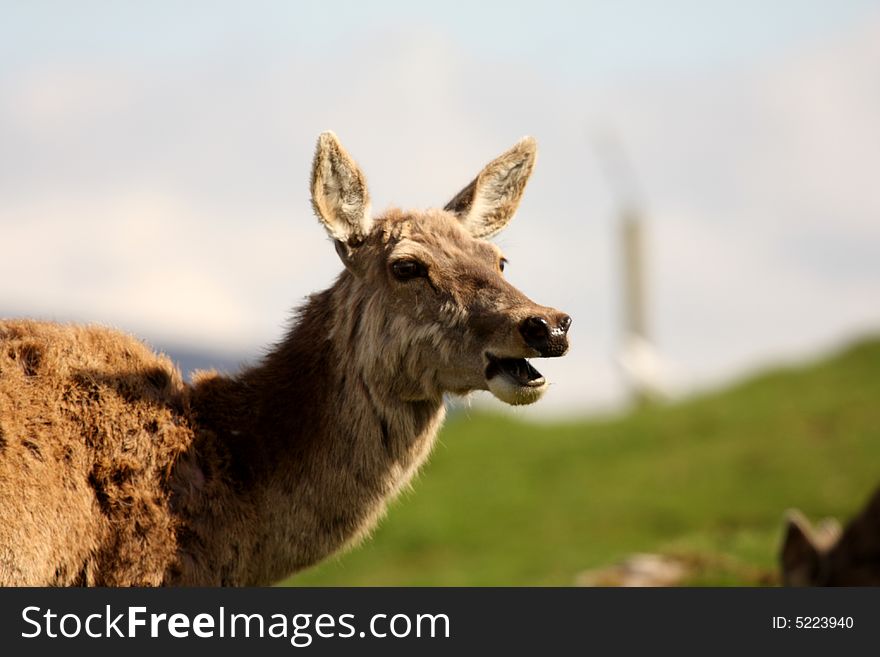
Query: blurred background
{"x": 706, "y": 206}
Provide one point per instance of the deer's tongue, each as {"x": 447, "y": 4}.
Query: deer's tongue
{"x": 517, "y": 369}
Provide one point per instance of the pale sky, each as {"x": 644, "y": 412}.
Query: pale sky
{"x": 154, "y": 162}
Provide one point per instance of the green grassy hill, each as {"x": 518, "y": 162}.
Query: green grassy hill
{"x": 503, "y": 502}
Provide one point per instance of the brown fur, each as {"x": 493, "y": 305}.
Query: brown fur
{"x": 828, "y": 557}
{"x": 113, "y": 471}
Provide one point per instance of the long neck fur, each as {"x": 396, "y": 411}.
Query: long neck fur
{"x": 298, "y": 456}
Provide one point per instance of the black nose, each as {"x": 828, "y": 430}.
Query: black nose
{"x": 547, "y": 340}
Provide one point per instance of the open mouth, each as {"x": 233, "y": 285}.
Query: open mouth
{"x": 514, "y": 380}
{"x": 518, "y": 370}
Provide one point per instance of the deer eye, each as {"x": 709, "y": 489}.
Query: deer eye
{"x": 502, "y": 263}
{"x": 405, "y": 270}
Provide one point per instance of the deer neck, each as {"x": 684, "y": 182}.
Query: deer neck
{"x": 303, "y": 451}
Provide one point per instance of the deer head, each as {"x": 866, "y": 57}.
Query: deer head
{"x": 435, "y": 308}
{"x": 829, "y": 556}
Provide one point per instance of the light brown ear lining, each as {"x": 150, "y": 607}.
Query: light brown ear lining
{"x": 339, "y": 190}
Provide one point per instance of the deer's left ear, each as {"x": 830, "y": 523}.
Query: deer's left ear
{"x": 489, "y": 201}
{"x": 800, "y": 554}
{"x": 339, "y": 193}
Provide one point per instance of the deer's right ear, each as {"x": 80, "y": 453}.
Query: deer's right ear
{"x": 800, "y": 555}
{"x": 489, "y": 201}
{"x": 339, "y": 195}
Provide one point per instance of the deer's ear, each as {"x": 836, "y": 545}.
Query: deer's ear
{"x": 339, "y": 193}
{"x": 800, "y": 554}
{"x": 489, "y": 201}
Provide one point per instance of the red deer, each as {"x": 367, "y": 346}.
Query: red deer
{"x": 827, "y": 556}
{"x": 114, "y": 471}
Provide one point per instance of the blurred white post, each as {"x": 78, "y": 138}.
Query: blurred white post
{"x": 638, "y": 359}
